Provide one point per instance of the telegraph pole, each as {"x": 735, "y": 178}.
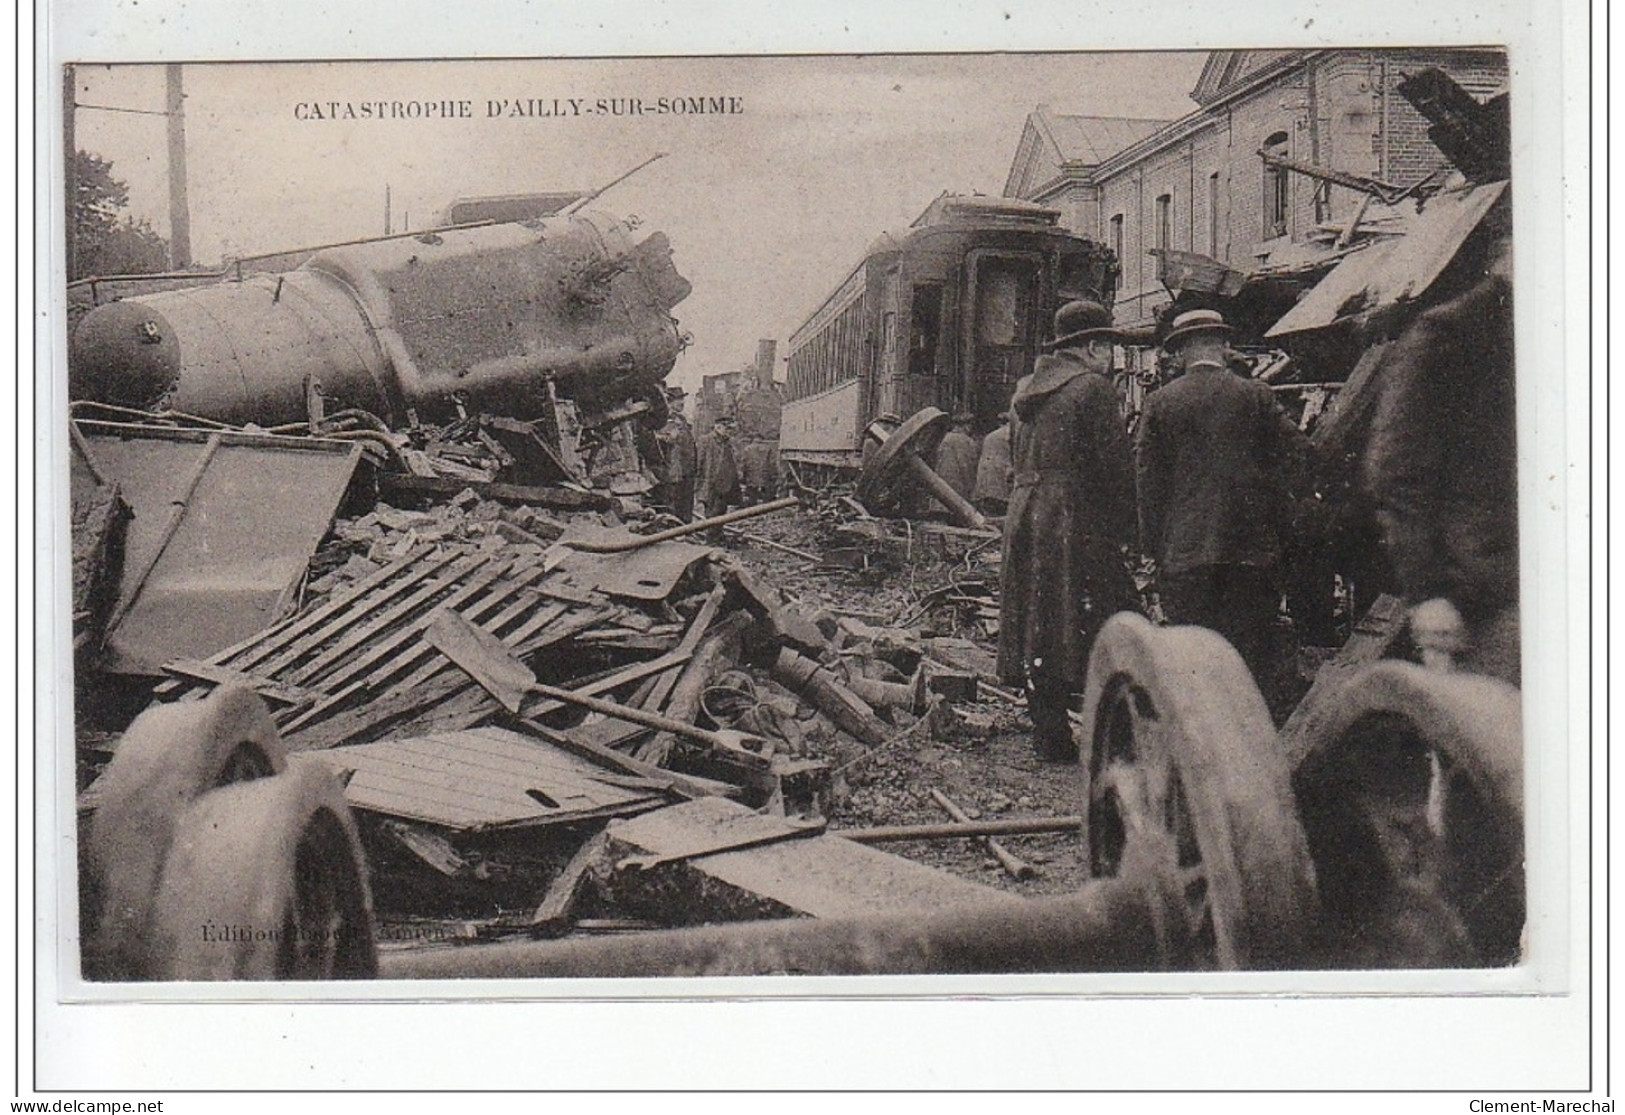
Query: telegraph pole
{"x": 180, "y": 221}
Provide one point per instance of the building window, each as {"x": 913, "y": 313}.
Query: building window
{"x": 1117, "y": 236}
{"x": 1213, "y": 214}
{"x": 1276, "y": 193}
{"x": 1165, "y": 217}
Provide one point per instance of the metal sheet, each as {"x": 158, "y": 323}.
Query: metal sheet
{"x": 480, "y": 778}
{"x": 1396, "y": 270}
{"x": 225, "y": 525}
{"x": 648, "y": 573}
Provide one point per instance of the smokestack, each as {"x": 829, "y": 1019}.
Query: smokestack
{"x": 180, "y": 220}
{"x": 766, "y": 354}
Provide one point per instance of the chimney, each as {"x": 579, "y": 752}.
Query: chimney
{"x": 766, "y": 354}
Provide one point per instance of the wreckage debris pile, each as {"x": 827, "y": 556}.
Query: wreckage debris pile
{"x": 836, "y": 667}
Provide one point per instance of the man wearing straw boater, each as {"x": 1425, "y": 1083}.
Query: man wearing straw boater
{"x": 1214, "y": 456}
{"x": 1071, "y": 512}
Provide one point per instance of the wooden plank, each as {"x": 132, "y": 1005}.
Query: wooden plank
{"x": 391, "y": 620}
{"x": 1376, "y": 631}
{"x": 475, "y": 612}
{"x": 540, "y": 706}
{"x": 278, "y": 636}
{"x": 689, "y": 644}
{"x": 552, "y": 917}
{"x": 328, "y": 621}
{"x": 821, "y": 876}
{"x": 565, "y": 498}
{"x": 291, "y": 695}
{"x": 330, "y": 725}
{"x": 685, "y": 785}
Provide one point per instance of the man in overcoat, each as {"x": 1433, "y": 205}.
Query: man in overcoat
{"x": 1216, "y": 456}
{"x": 1071, "y": 513}
{"x": 680, "y": 458}
{"x": 718, "y": 484}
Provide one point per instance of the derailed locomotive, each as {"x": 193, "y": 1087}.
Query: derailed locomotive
{"x": 503, "y": 318}
{"x": 949, "y": 315}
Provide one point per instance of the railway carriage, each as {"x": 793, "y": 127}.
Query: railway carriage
{"x": 950, "y": 314}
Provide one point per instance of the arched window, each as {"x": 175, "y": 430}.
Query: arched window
{"x": 1276, "y": 194}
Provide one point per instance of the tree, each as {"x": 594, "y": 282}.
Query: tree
{"x": 105, "y": 243}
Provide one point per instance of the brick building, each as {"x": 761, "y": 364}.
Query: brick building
{"x": 1197, "y": 184}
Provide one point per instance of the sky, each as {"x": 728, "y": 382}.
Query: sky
{"x": 767, "y": 209}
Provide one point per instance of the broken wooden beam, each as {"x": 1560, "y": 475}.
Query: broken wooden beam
{"x": 850, "y": 712}
{"x": 553, "y": 917}
{"x": 808, "y": 876}
{"x": 1012, "y": 826}
{"x": 1013, "y": 865}
{"x": 568, "y": 499}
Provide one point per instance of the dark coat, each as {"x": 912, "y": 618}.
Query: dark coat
{"x": 1441, "y": 464}
{"x": 681, "y": 455}
{"x": 1071, "y": 508}
{"x": 1216, "y": 459}
{"x": 719, "y": 473}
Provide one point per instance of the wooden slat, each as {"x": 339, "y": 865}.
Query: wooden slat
{"x": 291, "y": 695}
{"x": 360, "y": 611}
{"x": 340, "y": 727}
{"x": 333, "y": 727}
{"x": 277, "y": 636}
{"x": 476, "y": 612}
{"x": 389, "y": 620}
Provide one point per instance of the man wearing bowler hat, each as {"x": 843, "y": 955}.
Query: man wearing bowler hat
{"x": 1214, "y": 459}
{"x": 1071, "y": 512}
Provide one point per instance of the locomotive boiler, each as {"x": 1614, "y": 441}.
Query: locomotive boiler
{"x": 509, "y": 319}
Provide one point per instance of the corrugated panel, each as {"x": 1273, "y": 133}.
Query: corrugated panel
{"x": 224, "y": 527}
{"x": 1397, "y": 270}
{"x": 480, "y": 778}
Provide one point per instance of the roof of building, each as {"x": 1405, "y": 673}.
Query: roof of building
{"x": 1090, "y": 139}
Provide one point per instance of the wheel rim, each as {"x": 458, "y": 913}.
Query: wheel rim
{"x": 323, "y": 929}
{"x": 1401, "y": 837}
{"x": 1187, "y": 794}
{"x": 1411, "y": 796}
{"x": 247, "y": 761}
{"x": 1137, "y": 796}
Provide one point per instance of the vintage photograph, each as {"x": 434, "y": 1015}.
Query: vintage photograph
{"x": 794, "y": 515}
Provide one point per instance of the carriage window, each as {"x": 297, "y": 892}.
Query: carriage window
{"x": 925, "y": 328}
{"x": 998, "y": 307}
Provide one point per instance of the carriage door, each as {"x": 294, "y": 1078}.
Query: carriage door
{"x": 1001, "y": 330}
{"x": 886, "y": 371}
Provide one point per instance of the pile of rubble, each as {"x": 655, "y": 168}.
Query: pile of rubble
{"x": 544, "y": 715}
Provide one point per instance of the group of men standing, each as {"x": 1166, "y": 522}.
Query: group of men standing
{"x": 711, "y": 471}
{"x": 1203, "y": 491}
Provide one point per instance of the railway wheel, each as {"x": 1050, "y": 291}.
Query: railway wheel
{"x": 171, "y": 755}
{"x": 1411, "y": 795}
{"x": 266, "y": 880}
{"x": 1185, "y": 784}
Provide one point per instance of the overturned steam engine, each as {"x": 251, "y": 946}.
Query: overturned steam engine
{"x": 510, "y": 319}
